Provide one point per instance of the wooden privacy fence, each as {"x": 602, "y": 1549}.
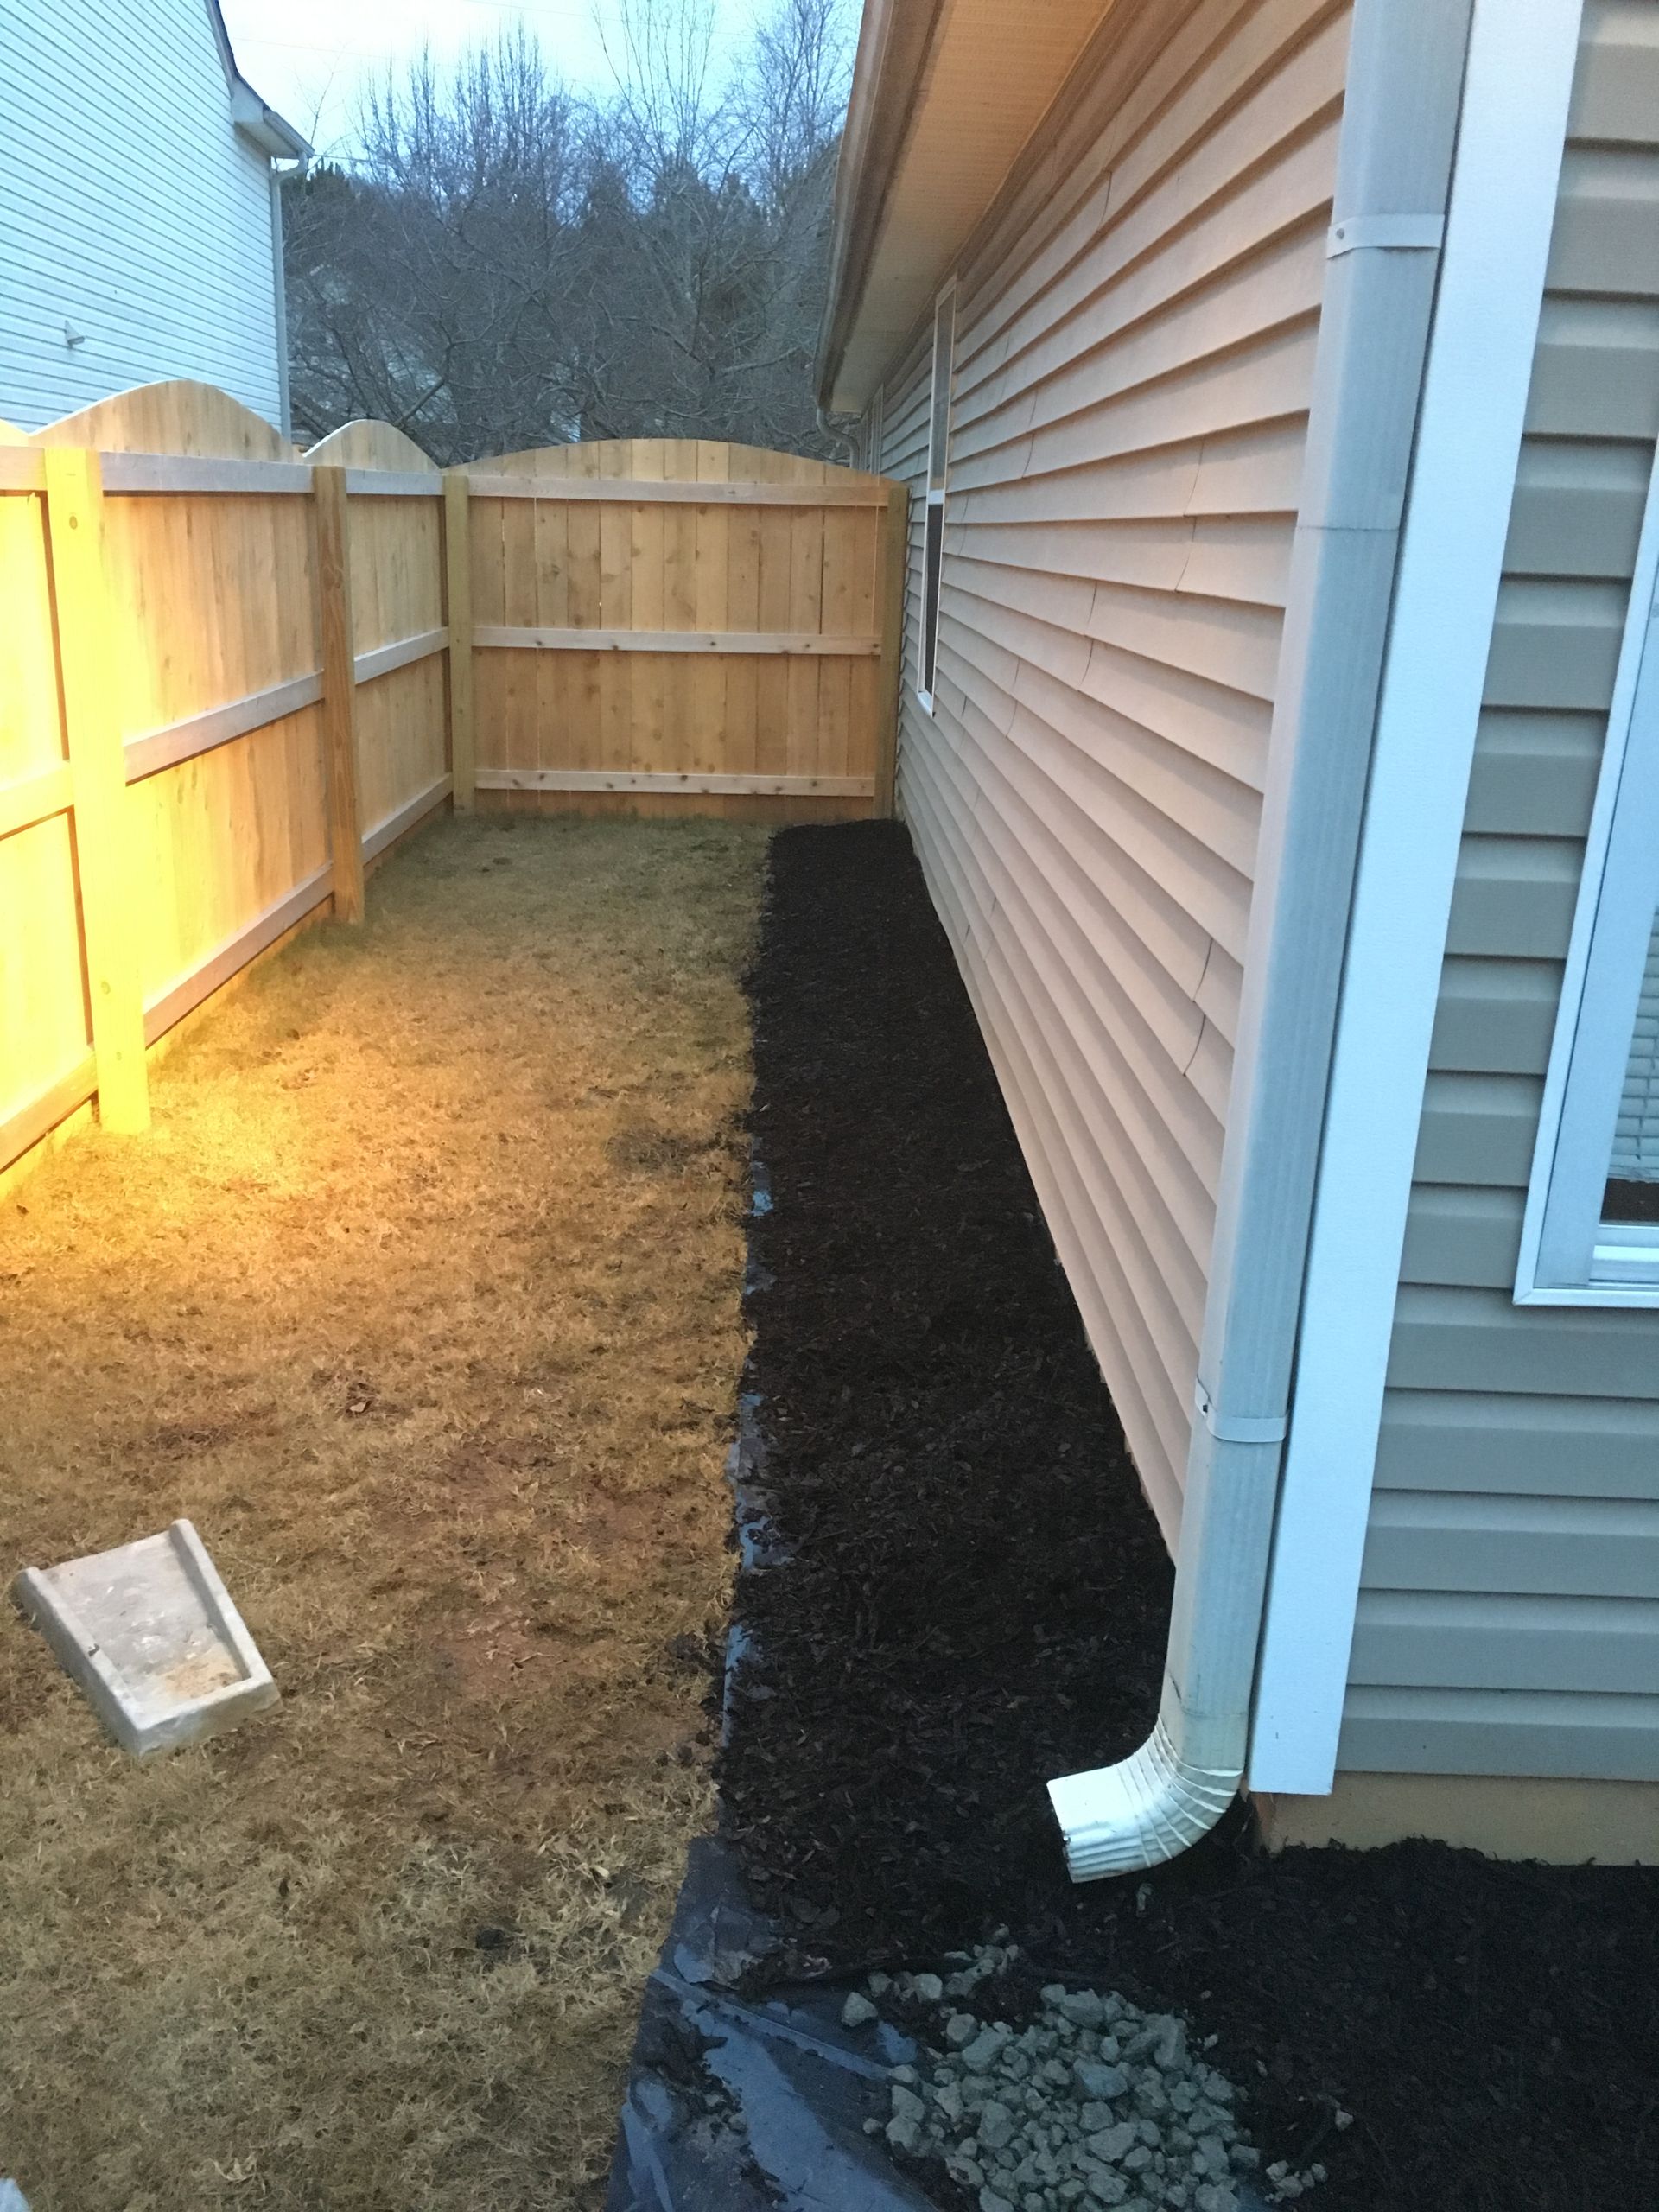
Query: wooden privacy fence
{"x": 232, "y": 676}
{"x": 657, "y": 619}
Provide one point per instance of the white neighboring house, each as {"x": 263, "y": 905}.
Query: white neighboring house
{"x": 140, "y": 225}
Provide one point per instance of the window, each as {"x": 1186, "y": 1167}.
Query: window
{"x": 1592, "y": 1232}
{"x": 939, "y": 452}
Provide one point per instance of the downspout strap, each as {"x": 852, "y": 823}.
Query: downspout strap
{"x": 1390, "y": 233}
{"x": 1239, "y": 1428}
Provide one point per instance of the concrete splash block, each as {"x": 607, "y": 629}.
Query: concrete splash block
{"x": 150, "y": 1632}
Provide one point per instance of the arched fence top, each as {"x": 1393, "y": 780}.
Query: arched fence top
{"x": 706, "y": 460}
{"x": 370, "y": 444}
{"x": 179, "y": 417}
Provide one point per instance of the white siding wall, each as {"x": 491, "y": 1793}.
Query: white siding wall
{"x": 129, "y": 208}
{"x": 1509, "y": 1617}
{"x": 1135, "y": 343}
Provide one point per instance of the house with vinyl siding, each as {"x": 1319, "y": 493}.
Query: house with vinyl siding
{"x": 140, "y": 218}
{"x": 1277, "y": 383}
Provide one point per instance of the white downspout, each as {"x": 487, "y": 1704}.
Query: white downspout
{"x": 1400, "y": 122}
{"x": 279, "y": 291}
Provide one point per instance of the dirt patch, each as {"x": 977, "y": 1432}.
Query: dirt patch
{"x": 439, "y": 1353}
{"x": 978, "y": 1601}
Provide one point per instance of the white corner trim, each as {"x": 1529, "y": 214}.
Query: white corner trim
{"x": 1503, "y": 190}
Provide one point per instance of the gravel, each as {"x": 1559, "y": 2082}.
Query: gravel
{"x": 1091, "y": 2103}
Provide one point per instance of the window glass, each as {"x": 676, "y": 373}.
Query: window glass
{"x": 1632, "y": 1188}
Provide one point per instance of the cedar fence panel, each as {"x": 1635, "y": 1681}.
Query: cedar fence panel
{"x": 232, "y": 675}
{"x": 398, "y": 634}
{"x": 666, "y": 625}
{"x": 46, "y": 1036}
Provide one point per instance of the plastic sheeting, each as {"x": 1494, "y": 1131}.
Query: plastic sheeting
{"x": 738, "y": 2105}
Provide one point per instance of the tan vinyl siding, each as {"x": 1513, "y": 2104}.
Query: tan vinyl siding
{"x": 1135, "y": 329}
{"x": 1508, "y": 1620}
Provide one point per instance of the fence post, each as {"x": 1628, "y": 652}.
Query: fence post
{"x": 339, "y": 687}
{"x": 103, "y": 855}
{"x": 891, "y": 574}
{"x": 458, "y": 613}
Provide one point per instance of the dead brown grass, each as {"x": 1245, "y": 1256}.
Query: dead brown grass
{"x": 422, "y": 1301}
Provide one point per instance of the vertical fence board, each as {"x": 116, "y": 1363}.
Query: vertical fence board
{"x": 111, "y": 894}
{"x": 458, "y": 618}
{"x": 892, "y": 561}
{"x": 44, "y": 1037}
{"x": 396, "y": 564}
{"x": 339, "y": 687}
{"x": 780, "y": 733}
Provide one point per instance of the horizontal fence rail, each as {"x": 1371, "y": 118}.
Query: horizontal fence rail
{"x": 675, "y": 641}
{"x": 660, "y": 626}
{"x": 637, "y": 492}
{"x": 232, "y": 676}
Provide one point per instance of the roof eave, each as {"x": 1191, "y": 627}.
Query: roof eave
{"x": 945, "y": 106}
{"x": 895, "y": 39}
{"x": 263, "y": 127}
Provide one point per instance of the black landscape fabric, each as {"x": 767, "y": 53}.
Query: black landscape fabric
{"x": 974, "y": 1598}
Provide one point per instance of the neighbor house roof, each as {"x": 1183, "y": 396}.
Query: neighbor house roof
{"x": 945, "y": 94}
{"x": 270, "y": 132}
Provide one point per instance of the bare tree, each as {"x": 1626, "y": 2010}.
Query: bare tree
{"x": 509, "y": 265}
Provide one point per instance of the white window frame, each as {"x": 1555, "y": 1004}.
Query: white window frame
{"x": 1569, "y": 1255}
{"x": 943, "y": 362}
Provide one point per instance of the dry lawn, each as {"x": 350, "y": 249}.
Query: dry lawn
{"x": 422, "y": 1301}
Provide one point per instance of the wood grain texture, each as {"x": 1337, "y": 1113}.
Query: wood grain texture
{"x": 799, "y": 642}
{"x": 109, "y": 883}
{"x": 601, "y": 780}
{"x": 35, "y": 799}
{"x": 707, "y": 620}
{"x": 397, "y": 617}
{"x": 624, "y": 491}
{"x": 335, "y": 619}
{"x": 287, "y": 678}
{"x": 893, "y": 548}
{"x": 384, "y": 660}
{"x": 176, "y": 417}
{"x": 369, "y": 444}
{"x": 156, "y": 472}
{"x": 458, "y": 618}
{"x": 153, "y": 750}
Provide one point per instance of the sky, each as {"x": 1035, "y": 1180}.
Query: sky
{"x": 311, "y": 60}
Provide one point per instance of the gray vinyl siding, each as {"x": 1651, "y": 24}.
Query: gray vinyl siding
{"x": 1135, "y": 328}
{"x": 1509, "y": 1617}
{"x": 131, "y": 209}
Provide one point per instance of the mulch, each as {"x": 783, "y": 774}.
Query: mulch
{"x": 976, "y": 1600}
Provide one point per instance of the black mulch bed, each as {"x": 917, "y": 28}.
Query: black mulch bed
{"x": 977, "y": 1601}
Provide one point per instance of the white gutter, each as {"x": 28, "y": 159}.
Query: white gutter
{"x": 279, "y": 299}
{"x": 1399, "y": 124}
{"x": 262, "y": 127}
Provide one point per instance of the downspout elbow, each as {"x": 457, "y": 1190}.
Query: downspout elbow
{"x": 1150, "y": 1807}
{"x": 1164, "y": 1797}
